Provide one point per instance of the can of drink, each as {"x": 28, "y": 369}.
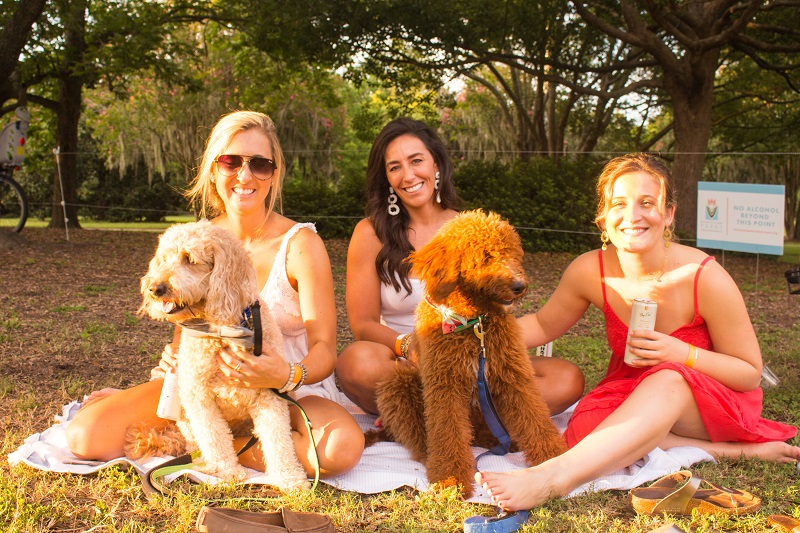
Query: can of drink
{"x": 545, "y": 350}
{"x": 169, "y": 404}
{"x": 643, "y": 316}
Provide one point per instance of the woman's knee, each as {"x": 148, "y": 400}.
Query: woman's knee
{"x": 360, "y": 365}
{"x": 344, "y": 450}
{"x": 339, "y": 439}
{"x": 83, "y": 437}
{"x": 561, "y": 382}
{"x": 667, "y": 382}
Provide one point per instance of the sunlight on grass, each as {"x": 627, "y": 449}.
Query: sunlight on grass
{"x": 69, "y": 308}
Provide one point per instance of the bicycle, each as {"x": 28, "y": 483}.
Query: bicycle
{"x": 13, "y": 201}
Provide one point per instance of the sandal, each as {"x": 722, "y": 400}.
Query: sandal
{"x": 679, "y": 493}
{"x": 785, "y": 523}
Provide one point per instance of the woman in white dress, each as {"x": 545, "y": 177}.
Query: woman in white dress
{"x": 238, "y": 184}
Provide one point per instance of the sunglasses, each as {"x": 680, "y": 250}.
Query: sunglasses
{"x": 261, "y": 168}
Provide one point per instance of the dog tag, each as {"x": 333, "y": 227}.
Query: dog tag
{"x": 478, "y": 329}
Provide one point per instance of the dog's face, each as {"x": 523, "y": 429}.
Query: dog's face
{"x": 199, "y": 271}
{"x": 473, "y": 264}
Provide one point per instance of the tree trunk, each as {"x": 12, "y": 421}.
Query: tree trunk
{"x": 70, "y": 88}
{"x": 691, "y": 89}
{"x": 13, "y": 36}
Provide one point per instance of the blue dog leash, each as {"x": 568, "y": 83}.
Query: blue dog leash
{"x": 503, "y": 522}
{"x": 486, "y": 404}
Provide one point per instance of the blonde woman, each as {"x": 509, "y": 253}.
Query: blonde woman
{"x": 237, "y": 187}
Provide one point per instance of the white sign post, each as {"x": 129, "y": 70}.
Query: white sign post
{"x": 742, "y": 217}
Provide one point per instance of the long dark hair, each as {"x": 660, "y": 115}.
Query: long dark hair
{"x": 391, "y": 230}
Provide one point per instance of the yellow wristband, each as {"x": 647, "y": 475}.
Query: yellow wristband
{"x": 692, "y": 359}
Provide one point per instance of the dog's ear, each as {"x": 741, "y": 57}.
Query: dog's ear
{"x": 435, "y": 267}
{"x": 232, "y": 281}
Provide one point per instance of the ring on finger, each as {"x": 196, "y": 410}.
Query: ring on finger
{"x": 238, "y": 367}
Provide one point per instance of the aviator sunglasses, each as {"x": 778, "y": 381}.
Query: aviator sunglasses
{"x": 261, "y": 168}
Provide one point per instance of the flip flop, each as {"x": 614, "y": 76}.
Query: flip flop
{"x": 785, "y": 523}
{"x": 504, "y": 522}
{"x": 679, "y": 493}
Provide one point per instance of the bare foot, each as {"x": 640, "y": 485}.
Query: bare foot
{"x": 774, "y": 451}
{"x": 98, "y": 395}
{"x": 517, "y": 490}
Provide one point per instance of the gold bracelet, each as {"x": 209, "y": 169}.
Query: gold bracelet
{"x": 405, "y": 345}
{"x": 692, "y": 359}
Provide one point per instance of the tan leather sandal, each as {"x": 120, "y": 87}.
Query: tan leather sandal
{"x": 224, "y": 520}
{"x": 785, "y": 523}
{"x": 680, "y": 492}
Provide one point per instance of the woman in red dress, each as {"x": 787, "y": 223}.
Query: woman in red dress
{"x": 696, "y": 379}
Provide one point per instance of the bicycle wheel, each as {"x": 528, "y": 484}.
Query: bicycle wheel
{"x": 13, "y": 204}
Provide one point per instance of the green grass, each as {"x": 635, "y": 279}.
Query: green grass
{"x": 102, "y": 224}
{"x": 112, "y": 500}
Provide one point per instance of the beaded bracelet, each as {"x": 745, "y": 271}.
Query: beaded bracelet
{"x": 297, "y": 376}
{"x": 692, "y": 359}
{"x": 290, "y": 380}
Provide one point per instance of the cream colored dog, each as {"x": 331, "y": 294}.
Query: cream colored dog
{"x": 201, "y": 271}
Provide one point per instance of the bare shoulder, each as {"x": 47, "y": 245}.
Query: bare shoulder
{"x": 713, "y": 277}
{"x": 584, "y": 266}
{"x": 580, "y": 281}
{"x": 364, "y": 230}
{"x": 306, "y": 242}
{"x": 364, "y": 242}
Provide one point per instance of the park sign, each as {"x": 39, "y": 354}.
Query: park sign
{"x": 742, "y": 217}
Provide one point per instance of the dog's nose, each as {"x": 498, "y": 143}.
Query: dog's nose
{"x": 159, "y": 289}
{"x": 518, "y": 288}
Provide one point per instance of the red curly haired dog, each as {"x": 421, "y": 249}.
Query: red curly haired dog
{"x": 472, "y": 267}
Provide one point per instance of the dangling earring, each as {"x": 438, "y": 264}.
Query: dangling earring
{"x": 667, "y": 237}
{"x": 604, "y": 239}
{"x": 436, "y": 188}
{"x": 394, "y": 209}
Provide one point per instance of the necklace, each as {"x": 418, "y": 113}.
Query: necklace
{"x": 654, "y": 276}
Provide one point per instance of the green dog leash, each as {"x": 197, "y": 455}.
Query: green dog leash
{"x": 153, "y": 479}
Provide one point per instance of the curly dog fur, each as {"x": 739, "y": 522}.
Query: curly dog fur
{"x": 202, "y": 271}
{"x": 473, "y": 265}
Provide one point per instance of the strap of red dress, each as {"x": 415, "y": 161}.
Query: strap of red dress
{"x": 697, "y": 279}
{"x": 602, "y": 274}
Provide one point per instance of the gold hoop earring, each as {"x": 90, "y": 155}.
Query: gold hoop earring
{"x": 604, "y": 239}
{"x": 667, "y": 237}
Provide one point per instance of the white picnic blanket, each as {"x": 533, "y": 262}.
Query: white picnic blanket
{"x": 384, "y": 466}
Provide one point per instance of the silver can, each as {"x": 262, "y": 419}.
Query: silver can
{"x": 169, "y": 404}
{"x": 643, "y": 316}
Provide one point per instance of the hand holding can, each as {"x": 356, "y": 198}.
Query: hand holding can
{"x": 643, "y": 316}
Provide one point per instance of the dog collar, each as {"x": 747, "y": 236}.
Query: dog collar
{"x": 452, "y": 322}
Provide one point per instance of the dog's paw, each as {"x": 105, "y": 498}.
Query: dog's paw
{"x": 233, "y": 472}
{"x": 292, "y": 485}
{"x": 288, "y": 476}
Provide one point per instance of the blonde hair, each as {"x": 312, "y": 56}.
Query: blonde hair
{"x": 203, "y": 192}
{"x": 626, "y": 164}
